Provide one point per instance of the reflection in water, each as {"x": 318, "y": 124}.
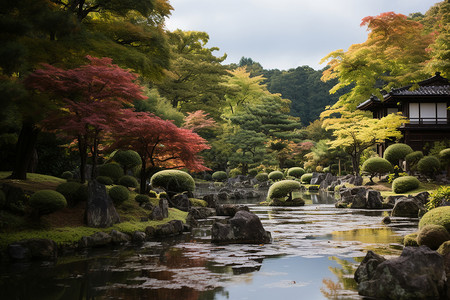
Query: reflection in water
{"x": 314, "y": 252}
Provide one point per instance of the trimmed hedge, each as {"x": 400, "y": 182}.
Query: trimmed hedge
{"x": 413, "y": 158}
{"x": 306, "y": 178}
{"x": 405, "y": 184}
{"x": 112, "y": 170}
{"x": 67, "y": 175}
{"x": 377, "y": 166}
{"x": 220, "y": 176}
{"x": 141, "y": 199}
{"x": 118, "y": 194}
{"x": 296, "y": 172}
{"x": 276, "y": 175}
{"x": 173, "y": 181}
{"x": 262, "y": 177}
{"x": 128, "y": 181}
{"x": 74, "y": 192}
{"x": 45, "y": 202}
{"x": 437, "y": 216}
{"x": 395, "y": 152}
{"x": 428, "y": 165}
{"x": 127, "y": 158}
{"x": 105, "y": 180}
{"x": 281, "y": 189}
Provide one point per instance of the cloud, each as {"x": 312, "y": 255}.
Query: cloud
{"x": 283, "y": 34}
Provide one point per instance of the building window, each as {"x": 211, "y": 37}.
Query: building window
{"x": 428, "y": 113}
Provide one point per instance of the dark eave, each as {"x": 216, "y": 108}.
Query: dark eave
{"x": 370, "y": 104}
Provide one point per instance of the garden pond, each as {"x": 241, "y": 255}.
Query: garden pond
{"x": 315, "y": 251}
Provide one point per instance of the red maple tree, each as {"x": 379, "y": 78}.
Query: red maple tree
{"x": 89, "y": 101}
{"x": 198, "y": 120}
{"x": 160, "y": 143}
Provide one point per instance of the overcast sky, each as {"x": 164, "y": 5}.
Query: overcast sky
{"x": 283, "y": 34}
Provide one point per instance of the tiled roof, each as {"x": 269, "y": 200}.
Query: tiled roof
{"x": 429, "y": 90}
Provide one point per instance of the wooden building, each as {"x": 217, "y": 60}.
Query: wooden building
{"x": 425, "y": 104}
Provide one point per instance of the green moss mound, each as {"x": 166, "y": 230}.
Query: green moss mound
{"x": 437, "y": 216}
{"x": 198, "y": 202}
{"x": 46, "y": 202}
{"x": 306, "y": 178}
{"x": 262, "y": 177}
{"x": 74, "y": 192}
{"x": 432, "y": 236}
{"x": 395, "y": 152}
{"x": 444, "y": 248}
{"x": 276, "y": 175}
{"x": 106, "y": 180}
{"x": 141, "y": 199}
{"x": 296, "y": 172}
{"x": 118, "y": 194}
{"x": 377, "y": 166}
{"x": 405, "y": 184}
{"x": 282, "y": 189}
{"x": 410, "y": 240}
{"x": 112, "y": 170}
{"x": 428, "y": 165}
{"x": 128, "y": 181}
{"x": 173, "y": 181}
{"x": 219, "y": 176}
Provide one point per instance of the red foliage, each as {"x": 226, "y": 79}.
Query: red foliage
{"x": 198, "y": 120}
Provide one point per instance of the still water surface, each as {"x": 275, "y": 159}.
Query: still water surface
{"x": 314, "y": 253}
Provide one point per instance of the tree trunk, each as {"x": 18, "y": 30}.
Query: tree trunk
{"x": 25, "y": 148}
{"x": 143, "y": 177}
{"x": 94, "y": 156}
{"x": 82, "y": 147}
{"x": 355, "y": 163}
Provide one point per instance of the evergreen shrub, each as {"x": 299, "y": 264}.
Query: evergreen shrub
{"x": 141, "y": 199}
{"x": 276, "y": 175}
{"x": 413, "y": 158}
{"x": 428, "y": 165}
{"x": 395, "y": 152}
{"x": 253, "y": 172}
{"x": 173, "y": 181}
{"x": 127, "y": 158}
{"x": 105, "y": 180}
{"x": 74, "y": 192}
{"x": 262, "y": 177}
{"x": 405, "y": 184}
{"x": 306, "y": 178}
{"x": 219, "y": 176}
{"x": 296, "y": 172}
{"x": 118, "y": 194}
{"x": 128, "y": 181}
{"x": 112, "y": 170}
{"x": 282, "y": 189}
{"x": 437, "y": 216}
{"x": 377, "y": 166}
{"x": 45, "y": 202}
{"x": 67, "y": 175}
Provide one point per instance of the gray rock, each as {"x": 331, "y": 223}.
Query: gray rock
{"x": 100, "y": 211}
{"x": 39, "y": 249}
{"x": 422, "y": 197}
{"x": 211, "y": 200}
{"x": 374, "y": 199}
{"x": 327, "y": 181}
{"x": 98, "y": 239}
{"x": 202, "y": 212}
{"x": 317, "y": 178}
{"x": 223, "y": 197}
{"x": 174, "y": 227}
{"x": 367, "y": 267}
{"x": 118, "y": 237}
{"x": 419, "y": 273}
{"x": 14, "y": 198}
{"x": 150, "y": 231}
{"x": 181, "y": 201}
{"x": 138, "y": 237}
{"x": 156, "y": 214}
{"x": 358, "y": 201}
{"x": 164, "y": 206}
{"x": 245, "y": 227}
{"x": 406, "y": 207}
{"x": 386, "y": 220}
{"x": 229, "y": 210}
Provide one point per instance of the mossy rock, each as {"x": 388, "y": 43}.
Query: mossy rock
{"x": 282, "y": 189}
{"x": 175, "y": 181}
{"x": 437, "y": 216}
{"x": 219, "y": 176}
{"x": 405, "y": 184}
{"x": 118, "y": 194}
{"x": 276, "y": 175}
{"x": 432, "y": 236}
{"x": 306, "y": 178}
{"x": 296, "y": 172}
{"x": 46, "y": 202}
{"x": 410, "y": 240}
{"x": 395, "y": 152}
{"x": 112, "y": 170}
{"x": 444, "y": 249}
{"x": 198, "y": 202}
{"x": 262, "y": 177}
{"x": 128, "y": 181}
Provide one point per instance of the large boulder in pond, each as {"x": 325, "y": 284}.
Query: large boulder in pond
{"x": 407, "y": 207}
{"x": 100, "y": 210}
{"x": 244, "y": 228}
{"x": 418, "y": 273}
{"x": 181, "y": 202}
{"x": 34, "y": 249}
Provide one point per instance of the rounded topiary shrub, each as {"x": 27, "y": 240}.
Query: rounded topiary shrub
{"x": 262, "y": 177}
{"x": 118, "y": 194}
{"x": 395, "y": 152}
{"x": 127, "y": 158}
{"x": 219, "y": 176}
{"x": 405, "y": 184}
{"x": 432, "y": 236}
{"x": 410, "y": 240}
{"x": 428, "y": 165}
{"x": 128, "y": 181}
{"x": 282, "y": 189}
{"x": 445, "y": 154}
{"x": 67, "y": 175}
{"x": 377, "y": 166}
{"x": 113, "y": 171}
{"x": 235, "y": 172}
{"x": 105, "y": 180}
{"x": 46, "y": 202}
{"x": 276, "y": 175}
{"x": 253, "y": 172}
{"x": 296, "y": 172}
{"x": 437, "y": 216}
{"x": 413, "y": 158}
{"x": 2, "y": 199}
{"x": 141, "y": 199}
{"x": 173, "y": 181}
{"x": 74, "y": 192}
{"x": 306, "y": 178}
